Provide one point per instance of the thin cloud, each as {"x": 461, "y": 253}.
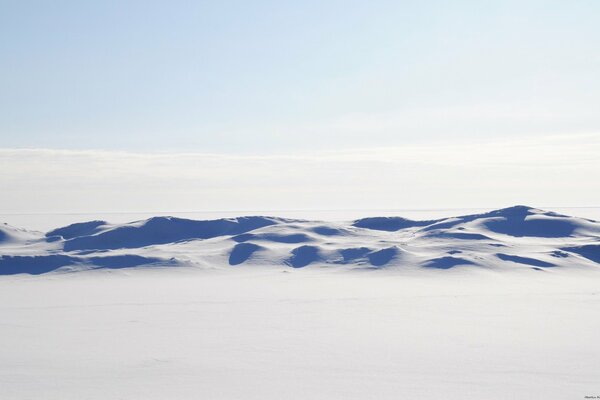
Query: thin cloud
{"x": 528, "y": 170}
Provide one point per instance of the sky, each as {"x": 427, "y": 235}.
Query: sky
{"x": 189, "y": 105}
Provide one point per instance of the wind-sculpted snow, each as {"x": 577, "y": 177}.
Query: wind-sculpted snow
{"x": 382, "y": 257}
{"x": 78, "y": 229}
{"x": 447, "y": 262}
{"x": 512, "y": 238}
{"x": 523, "y": 221}
{"x": 35, "y": 265}
{"x": 303, "y": 255}
{"x": 524, "y": 260}
{"x": 354, "y": 254}
{"x": 274, "y": 237}
{"x": 162, "y": 230}
{"x": 390, "y": 224}
{"x": 590, "y": 251}
{"x": 242, "y": 252}
{"x": 10, "y": 234}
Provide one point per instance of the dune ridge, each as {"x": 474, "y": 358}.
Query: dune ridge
{"x": 509, "y": 238}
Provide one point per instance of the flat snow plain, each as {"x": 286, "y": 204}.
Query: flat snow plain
{"x": 517, "y": 317}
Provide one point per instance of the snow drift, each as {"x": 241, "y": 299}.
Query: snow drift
{"x": 515, "y": 237}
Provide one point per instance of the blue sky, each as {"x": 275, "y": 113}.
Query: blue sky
{"x": 271, "y": 105}
{"x": 272, "y": 77}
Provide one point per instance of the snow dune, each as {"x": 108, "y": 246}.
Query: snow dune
{"x": 500, "y": 305}
{"x": 515, "y": 237}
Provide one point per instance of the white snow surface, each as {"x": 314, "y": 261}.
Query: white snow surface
{"x": 515, "y": 237}
{"x": 499, "y": 305}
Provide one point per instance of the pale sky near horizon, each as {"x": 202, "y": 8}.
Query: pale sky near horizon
{"x": 342, "y": 91}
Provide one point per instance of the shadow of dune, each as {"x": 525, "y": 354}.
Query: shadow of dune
{"x": 353, "y": 254}
{"x": 75, "y": 230}
{"x": 381, "y": 257}
{"x": 513, "y": 221}
{"x": 162, "y": 230}
{"x": 274, "y": 237}
{"x": 328, "y": 231}
{"x": 35, "y": 265}
{"x": 389, "y": 224}
{"x": 303, "y": 255}
{"x": 241, "y": 252}
{"x": 447, "y": 262}
{"x": 520, "y": 227}
{"x": 590, "y": 251}
{"x": 524, "y": 260}
{"x": 458, "y": 235}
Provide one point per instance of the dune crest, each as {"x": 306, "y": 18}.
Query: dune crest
{"x": 509, "y": 238}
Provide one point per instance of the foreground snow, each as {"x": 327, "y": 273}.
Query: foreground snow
{"x": 499, "y": 305}
{"x": 304, "y": 333}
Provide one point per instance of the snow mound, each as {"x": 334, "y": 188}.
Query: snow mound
{"x": 447, "y": 262}
{"x": 162, "y": 230}
{"x": 78, "y": 229}
{"x": 242, "y": 252}
{"x": 591, "y": 251}
{"x": 525, "y": 260}
{"x": 10, "y": 235}
{"x": 517, "y": 237}
{"x": 389, "y": 224}
{"x": 522, "y": 221}
{"x": 41, "y": 264}
{"x": 303, "y": 255}
{"x": 382, "y": 257}
{"x": 274, "y": 237}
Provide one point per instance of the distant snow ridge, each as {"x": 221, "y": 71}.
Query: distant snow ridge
{"x": 509, "y": 238}
{"x": 10, "y": 234}
{"x": 157, "y": 230}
